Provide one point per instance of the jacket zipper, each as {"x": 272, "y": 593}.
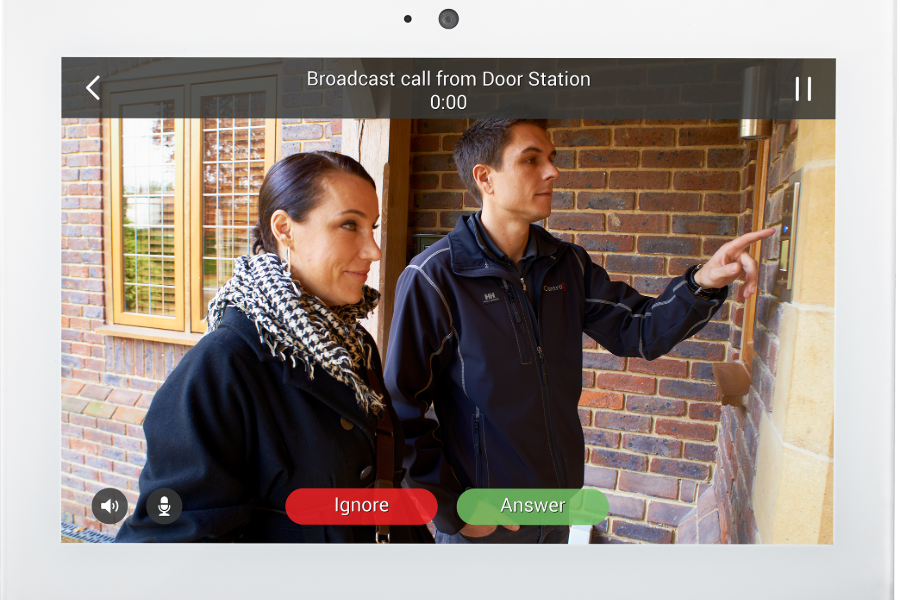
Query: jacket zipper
{"x": 479, "y": 467}
{"x": 545, "y": 384}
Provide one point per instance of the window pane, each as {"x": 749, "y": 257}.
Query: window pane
{"x": 233, "y": 169}
{"x": 148, "y": 234}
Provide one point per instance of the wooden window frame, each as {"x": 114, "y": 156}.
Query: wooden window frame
{"x": 117, "y": 288}
{"x": 183, "y": 84}
{"x": 198, "y": 92}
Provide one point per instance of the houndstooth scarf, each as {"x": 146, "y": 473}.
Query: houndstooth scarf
{"x": 293, "y": 322}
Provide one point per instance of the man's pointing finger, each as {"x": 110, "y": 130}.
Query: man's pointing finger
{"x": 754, "y": 236}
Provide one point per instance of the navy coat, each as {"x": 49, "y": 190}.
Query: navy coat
{"x": 499, "y": 359}
{"x": 234, "y": 430}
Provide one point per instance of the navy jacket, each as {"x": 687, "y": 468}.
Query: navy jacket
{"x": 234, "y": 430}
{"x": 504, "y": 373}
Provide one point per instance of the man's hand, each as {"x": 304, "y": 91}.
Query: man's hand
{"x": 732, "y": 261}
{"x": 477, "y": 531}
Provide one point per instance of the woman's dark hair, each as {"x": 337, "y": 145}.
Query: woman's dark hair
{"x": 294, "y": 185}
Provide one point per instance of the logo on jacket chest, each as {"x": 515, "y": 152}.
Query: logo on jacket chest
{"x": 491, "y": 297}
{"x": 555, "y": 288}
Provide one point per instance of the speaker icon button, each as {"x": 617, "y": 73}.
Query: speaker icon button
{"x": 109, "y": 506}
{"x": 163, "y": 506}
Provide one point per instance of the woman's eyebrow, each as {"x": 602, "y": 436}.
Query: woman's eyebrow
{"x": 354, "y": 211}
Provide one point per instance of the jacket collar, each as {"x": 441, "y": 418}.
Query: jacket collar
{"x": 322, "y": 386}
{"x": 466, "y": 254}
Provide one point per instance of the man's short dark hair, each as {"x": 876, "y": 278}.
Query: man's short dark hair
{"x": 483, "y": 144}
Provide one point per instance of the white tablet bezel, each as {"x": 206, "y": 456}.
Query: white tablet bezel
{"x": 861, "y": 36}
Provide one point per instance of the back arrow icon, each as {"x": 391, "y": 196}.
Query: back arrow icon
{"x": 88, "y": 88}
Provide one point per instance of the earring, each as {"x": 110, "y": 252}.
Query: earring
{"x": 287, "y": 262}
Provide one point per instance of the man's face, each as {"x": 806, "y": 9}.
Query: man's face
{"x": 523, "y": 186}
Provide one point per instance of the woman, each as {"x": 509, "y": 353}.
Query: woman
{"x": 284, "y": 391}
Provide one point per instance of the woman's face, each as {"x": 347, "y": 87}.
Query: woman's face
{"x": 332, "y": 250}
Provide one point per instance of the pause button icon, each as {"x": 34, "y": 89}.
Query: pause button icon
{"x": 808, "y": 89}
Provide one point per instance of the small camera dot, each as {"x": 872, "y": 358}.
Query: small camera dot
{"x": 407, "y": 18}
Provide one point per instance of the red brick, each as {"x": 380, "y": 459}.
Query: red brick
{"x": 563, "y": 200}
{"x": 626, "y": 383}
{"x": 419, "y": 220}
{"x": 577, "y": 221}
{"x": 100, "y": 437}
{"x": 605, "y": 200}
{"x": 144, "y": 401}
{"x": 587, "y": 180}
{"x": 652, "y": 445}
{"x": 425, "y": 143}
{"x": 708, "y": 530}
{"x": 650, "y": 485}
{"x": 584, "y": 417}
{"x": 423, "y": 181}
{"x": 605, "y": 243}
{"x": 599, "y": 477}
{"x": 130, "y": 415}
{"x": 599, "y": 437}
{"x": 644, "y": 136}
{"x": 664, "y": 513}
{"x": 639, "y": 180}
{"x": 668, "y": 159}
{"x": 653, "y": 405}
{"x": 704, "y": 225}
{"x": 651, "y": 285}
{"x": 71, "y": 388}
{"x": 637, "y": 223}
{"x": 625, "y": 263}
{"x": 601, "y": 399}
{"x": 679, "y": 468}
{"x": 448, "y": 142}
{"x": 621, "y": 422}
{"x": 700, "y": 452}
{"x": 687, "y": 491}
{"x": 618, "y": 460}
{"x": 705, "y": 180}
{"x": 708, "y": 136}
{"x": 83, "y": 446}
{"x": 704, "y": 411}
{"x": 660, "y": 366}
{"x": 599, "y": 159}
{"x": 433, "y": 162}
{"x": 722, "y": 203}
{"x": 711, "y": 245}
{"x": 667, "y": 245}
{"x": 691, "y": 390}
{"x": 452, "y": 181}
{"x": 587, "y": 379}
{"x": 96, "y": 392}
{"x": 625, "y": 506}
{"x": 686, "y": 430}
{"x": 645, "y": 533}
{"x": 450, "y": 217}
{"x": 602, "y": 360}
{"x": 581, "y": 137}
{"x": 726, "y": 158}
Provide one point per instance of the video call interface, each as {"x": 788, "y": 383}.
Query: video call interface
{"x": 454, "y": 301}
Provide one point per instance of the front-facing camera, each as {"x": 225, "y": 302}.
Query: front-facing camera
{"x": 448, "y": 18}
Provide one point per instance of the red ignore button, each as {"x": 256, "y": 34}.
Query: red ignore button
{"x": 353, "y": 506}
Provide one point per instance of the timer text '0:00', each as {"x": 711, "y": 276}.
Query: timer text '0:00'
{"x": 448, "y": 102}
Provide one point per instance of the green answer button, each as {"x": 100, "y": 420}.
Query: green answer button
{"x": 532, "y": 507}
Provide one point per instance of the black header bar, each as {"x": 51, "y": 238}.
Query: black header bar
{"x": 558, "y": 88}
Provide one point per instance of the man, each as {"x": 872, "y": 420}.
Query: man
{"x": 488, "y": 325}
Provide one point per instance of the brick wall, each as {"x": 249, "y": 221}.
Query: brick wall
{"x": 739, "y": 428}
{"x": 647, "y": 199}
